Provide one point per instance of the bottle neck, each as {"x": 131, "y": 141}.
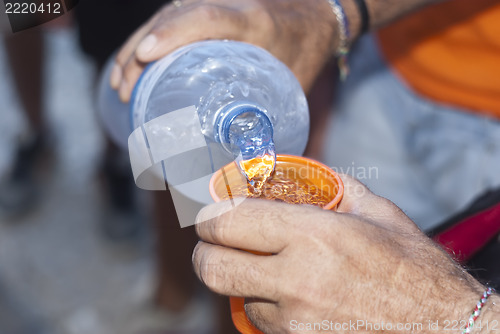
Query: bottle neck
{"x": 244, "y": 128}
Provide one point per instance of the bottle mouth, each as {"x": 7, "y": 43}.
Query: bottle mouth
{"x": 240, "y": 117}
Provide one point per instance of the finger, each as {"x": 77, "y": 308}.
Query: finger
{"x": 190, "y": 23}
{"x": 175, "y": 27}
{"x": 128, "y": 67}
{"x": 257, "y": 225}
{"x": 131, "y": 73}
{"x": 127, "y": 51}
{"x": 355, "y": 195}
{"x": 360, "y": 201}
{"x": 236, "y": 273}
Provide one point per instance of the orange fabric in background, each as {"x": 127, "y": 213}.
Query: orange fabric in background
{"x": 450, "y": 52}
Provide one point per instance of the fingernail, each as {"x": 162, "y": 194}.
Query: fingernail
{"x": 195, "y": 250}
{"x": 147, "y": 45}
{"x": 116, "y": 76}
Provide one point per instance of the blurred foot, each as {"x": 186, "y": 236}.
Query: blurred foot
{"x": 14, "y": 318}
{"x": 19, "y": 191}
{"x": 196, "y": 318}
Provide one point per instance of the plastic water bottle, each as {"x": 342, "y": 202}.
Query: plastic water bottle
{"x": 204, "y": 105}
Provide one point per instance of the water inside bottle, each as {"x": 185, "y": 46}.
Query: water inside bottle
{"x": 251, "y": 135}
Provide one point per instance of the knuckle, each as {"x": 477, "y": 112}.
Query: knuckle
{"x": 254, "y": 272}
{"x": 245, "y": 278}
{"x": 130, "y": 69}
{"x": 208, "y": 12}
{"x": 219, "y": 228}
{"x": 388, "y": 208}
{"x": 161, "y": 15}
{"x": 318, "y": 220}
{"x": 159, "y": 28}
{"x": 121, "y": 58}
{"x": 204, "y": 230}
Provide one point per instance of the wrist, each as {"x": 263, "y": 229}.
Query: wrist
{"x": 463, "y": 315}
{"x": 446, "y": 301}
{"x": 489, "y": 320}
{"x": 448, "y": 305}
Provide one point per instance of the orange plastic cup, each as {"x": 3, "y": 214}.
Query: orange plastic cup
{"x": 295, "y": 168}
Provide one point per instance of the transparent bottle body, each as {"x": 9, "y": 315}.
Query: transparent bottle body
{"x": 213, "y": 76}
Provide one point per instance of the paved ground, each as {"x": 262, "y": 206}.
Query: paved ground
{"x": 56, "y": 271}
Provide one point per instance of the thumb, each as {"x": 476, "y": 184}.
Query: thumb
{"x": 361, "y": 201}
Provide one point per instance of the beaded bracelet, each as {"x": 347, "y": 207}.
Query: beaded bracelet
{"x": 344, "y": 35}
{"x": 477, "y": 311}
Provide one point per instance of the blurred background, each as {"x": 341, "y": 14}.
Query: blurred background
{"x": 75, "y": 255}
{"x": 58, "y": 272}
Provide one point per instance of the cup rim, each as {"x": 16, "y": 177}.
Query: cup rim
{"x": 289, "y": 158}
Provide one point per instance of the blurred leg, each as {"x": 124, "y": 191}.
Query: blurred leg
{"x": 25, "y": 55}
{"x": 177, "y": 281}
{"x": 175, "y": 245}
{"x": 122, "y": 220}
{"x": 19, "y": 191}
{"x": 320, "y": 100}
